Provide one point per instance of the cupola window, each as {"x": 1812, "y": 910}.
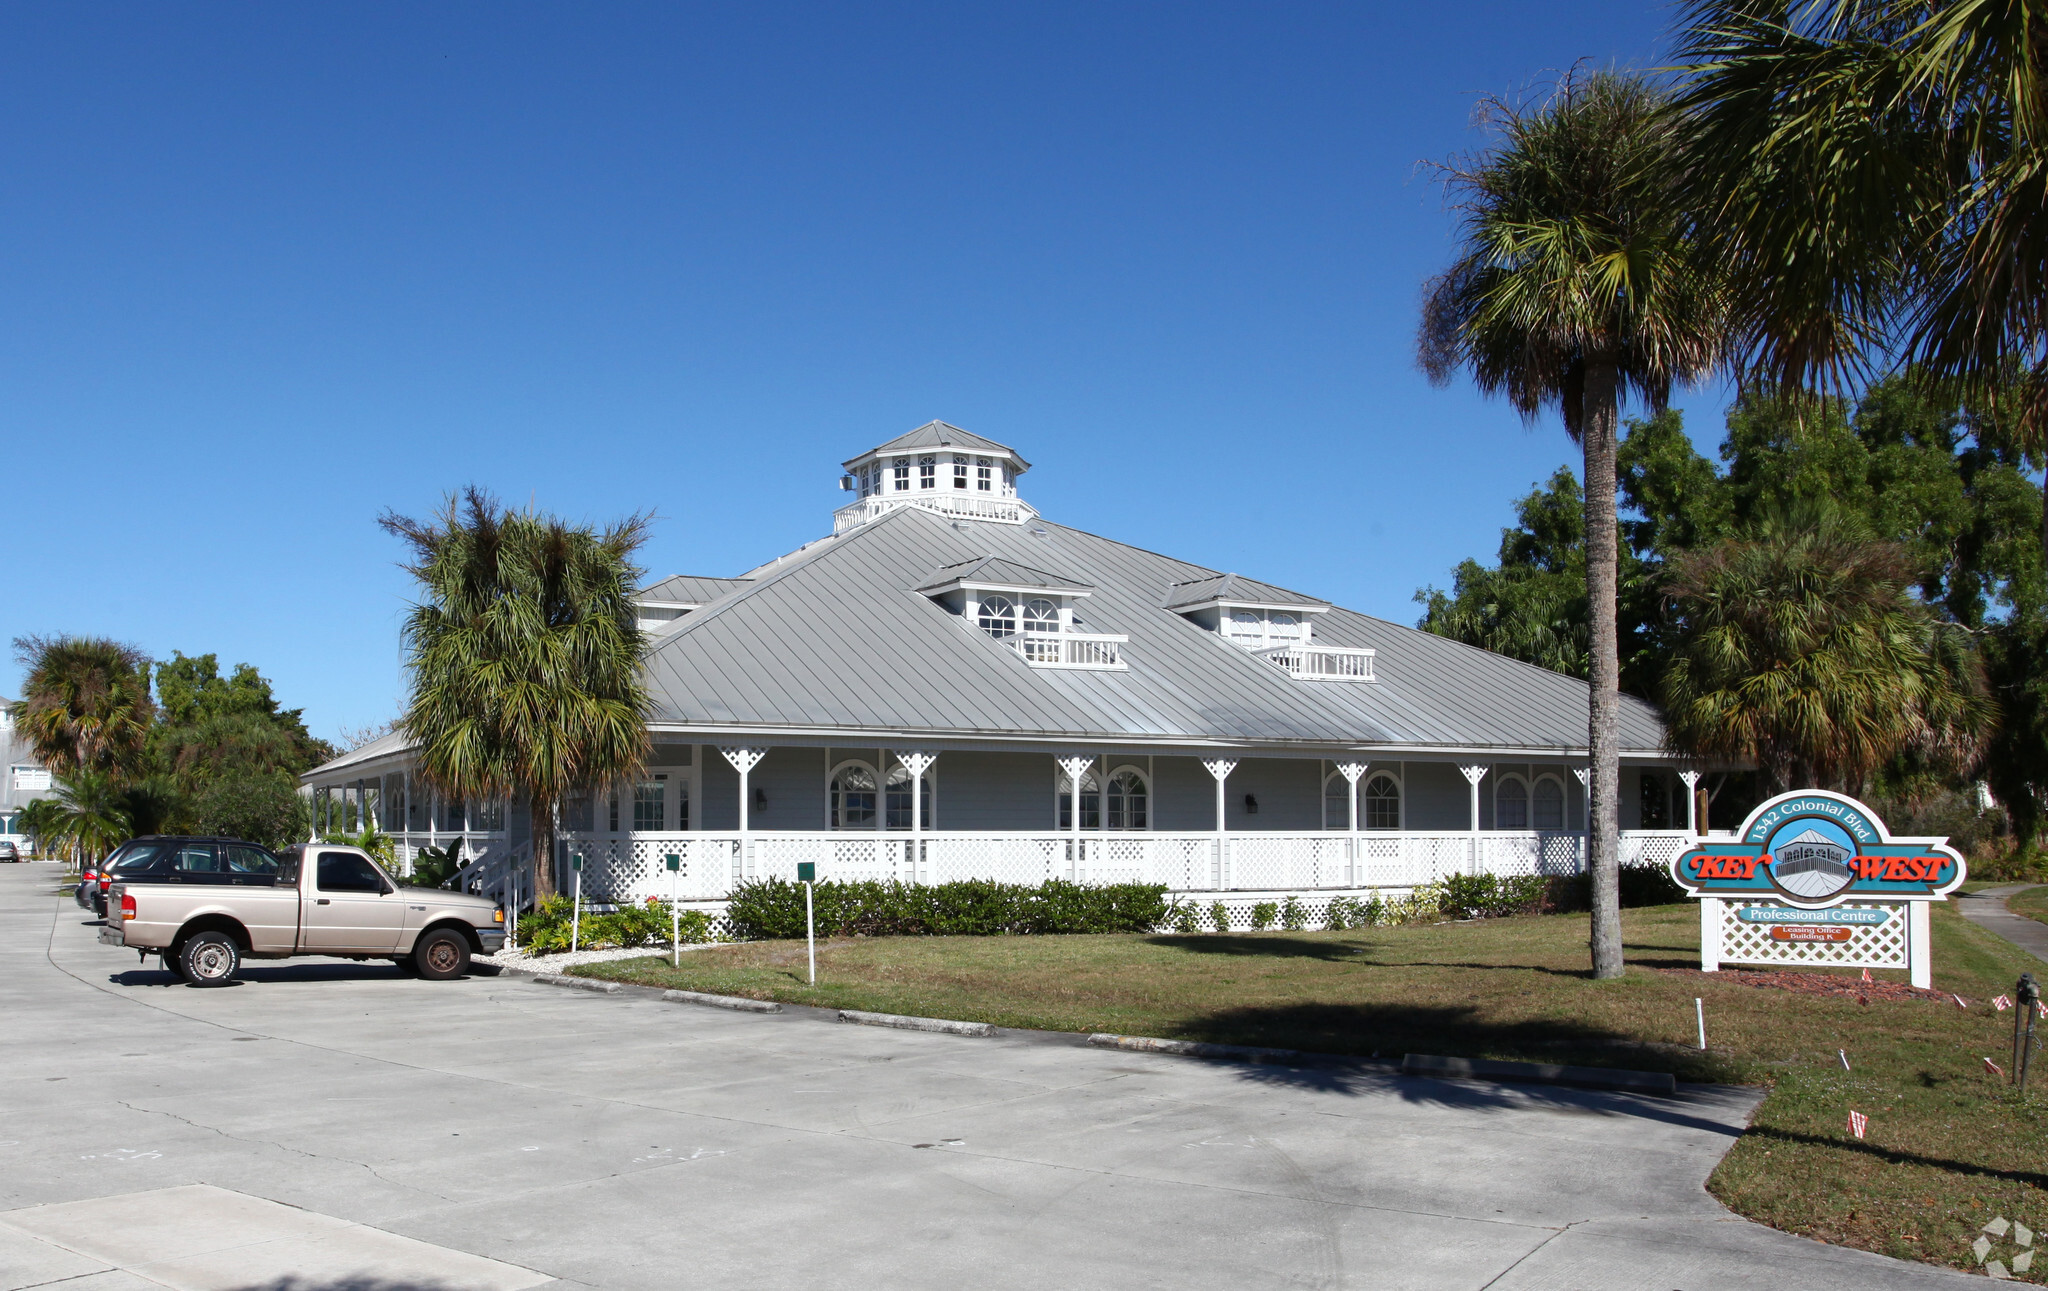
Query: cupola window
{"x": 983, "y": 473}
{"x": 959, "y": 471}
{"x": 902, "y": 473}
{"x": 928, "y": 472}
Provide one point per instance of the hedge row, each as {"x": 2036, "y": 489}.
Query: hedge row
{"x": 774, "y": 908}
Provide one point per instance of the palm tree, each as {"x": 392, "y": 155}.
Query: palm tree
{"x": 1802, "y": 650}
{"x": 1873, "y": 172}
{"x": 85, "y": 705}
{"x": 39, "y": 820}
{"x": 1575, "y": 286}
{"x": 525, "y": 656}
{"x": 91, "y": 814}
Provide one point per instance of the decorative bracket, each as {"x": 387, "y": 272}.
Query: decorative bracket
{"x": 1220, "y": 767}
{"x": 1585, "y": 775}
{"x": 1474, "y": 774}
{"x": 1075, "y": 768}
{"x": 743, "y": 759}
{"x": 915, "y": 761}
{"x": 1691, "y": 778}
{"x": 1351, "y": 771}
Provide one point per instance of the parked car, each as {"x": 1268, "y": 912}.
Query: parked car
{"x": 9, "y": 852}
{"x": 206, "y": 904}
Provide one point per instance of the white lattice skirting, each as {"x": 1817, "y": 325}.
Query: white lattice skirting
{"x": 1882, "y": 946}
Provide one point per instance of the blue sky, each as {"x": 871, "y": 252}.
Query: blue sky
{"x": 271, "y": 269}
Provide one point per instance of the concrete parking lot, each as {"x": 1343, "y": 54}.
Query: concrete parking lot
{"x": 328, "y": 1125}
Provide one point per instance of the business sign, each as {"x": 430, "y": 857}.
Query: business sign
{"x": 1813, "y": 850}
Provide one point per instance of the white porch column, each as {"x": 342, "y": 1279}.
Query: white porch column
{"x": 1585, "y": 777}
{"x": 1221, "y": 768}
{"x": 1075, "y": 768}
{"x": 743, "y": 760}
{"x": 1692, "y": 803}
{"x": 1352, "y": 772}
{"x": 1710, "y": 934}
{"x": 917, "y": 762}
{"x": 1473, "y": 775}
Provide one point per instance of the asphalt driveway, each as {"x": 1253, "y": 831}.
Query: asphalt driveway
{"x": 326, "y": 1124}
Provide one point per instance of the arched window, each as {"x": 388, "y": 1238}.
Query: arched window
{"x": 1284, "y": 627}
{"x": 853, "y": 797}
{"x": 1041, "y": 615}
{"x": 897, "y": 800}
{"x": 1130, "y": 800}
{"x": 1380, "y": 804}
{"x": 1337, "y": 802}
{"x": 1511, "y": 803}
{"x": 1245, "y": 625}
{"x": 998, "y": 616}
{"x": 1546, "y": 803}
{"x": 1091, "y": 801}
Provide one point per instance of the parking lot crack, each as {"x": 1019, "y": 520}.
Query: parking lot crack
{"x": 283, "y": 1147}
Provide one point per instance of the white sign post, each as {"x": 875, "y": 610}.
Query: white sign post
{"x": 675, "y": 915}
{"x": 807, "y": 873}
{"x": 576, "y": 908}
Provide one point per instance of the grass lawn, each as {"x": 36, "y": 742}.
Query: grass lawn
{"x": 1949, "y": 1146}
{"x": 2032, "y": 903}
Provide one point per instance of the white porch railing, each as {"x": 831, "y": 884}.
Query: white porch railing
{"x": 944, "y": 502}
{"x": 634, "y": 867}
{"x": 1069, "y": 649}
{"x": 1322, "y": 663}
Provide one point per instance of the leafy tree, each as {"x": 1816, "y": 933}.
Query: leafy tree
{"x": 1575, "y": 284}
{"x": 524, "y": 656}
{"x": 1804, "y": 652}
{"x": 214, "y": 726}
{"x": 85, "y": 705}
{"x": 265, "y": 809}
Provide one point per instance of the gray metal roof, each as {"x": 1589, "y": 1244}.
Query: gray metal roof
{"x": 690, "y": 589}
{"x": 998, "y": 572}
{"x": 939, "y": 434}
{"x": 840, "y": 639}
{"x": 1237, "y": 589}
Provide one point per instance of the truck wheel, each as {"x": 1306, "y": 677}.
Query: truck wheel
{"x": 442, "y": 955}
{"x": 209, "y": 959}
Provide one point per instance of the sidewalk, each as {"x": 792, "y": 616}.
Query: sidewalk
{"x": 1987, "y": 910}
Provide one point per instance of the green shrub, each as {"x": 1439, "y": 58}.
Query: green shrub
{"x": 546, "y": 930}
{"x": 1343, "y": 914}
{"x": 1219, "y": 915}
{"x": 1372, "y": 914}
{"x": 774, "y": 908}
{"x": 1293, "y": 915}
{"x": 1641, "y": 885}
{"x": 1186, "y": 916}
{"x": 1263, "y": 915}
{"x": 432, "y": 866}
{"x": 1489, "y": 896}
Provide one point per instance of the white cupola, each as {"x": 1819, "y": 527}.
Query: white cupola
{"x": 940, "y": 468}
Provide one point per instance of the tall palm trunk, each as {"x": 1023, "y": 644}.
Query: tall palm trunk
{"x": 1603, "y": 726}
{"x": 542, "y": 816}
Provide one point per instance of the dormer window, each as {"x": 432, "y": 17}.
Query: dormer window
{"x": 1028, "y": 610}
{"x": 1270, "y": 622}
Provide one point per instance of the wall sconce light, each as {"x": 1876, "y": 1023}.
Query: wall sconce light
{"x": 760, "y": 800}
{"x": 1251, "y": 805}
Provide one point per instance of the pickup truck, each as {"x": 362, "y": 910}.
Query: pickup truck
{"x": 206, "y": 904}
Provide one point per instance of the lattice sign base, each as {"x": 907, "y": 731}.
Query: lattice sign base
{"x": 1875, "y": 934}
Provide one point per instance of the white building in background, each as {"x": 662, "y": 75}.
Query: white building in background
{"x": 920, "y": 694}
{"x": 26, "y": 779}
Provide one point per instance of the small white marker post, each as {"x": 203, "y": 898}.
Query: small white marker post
{"x": 675, "y": 916}
{"x": 1700, "y": 1010}
{"x": 576, "y": 910}
{"x": 807, "y": 873}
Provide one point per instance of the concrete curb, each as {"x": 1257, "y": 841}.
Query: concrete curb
{"x": 1195, "y": 1048}
{"x": 579, "y": 983}
{"x": 736, "y": 1002}
{"x": 1540, "y": 1073}
{"x": 944, "y": 1026}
